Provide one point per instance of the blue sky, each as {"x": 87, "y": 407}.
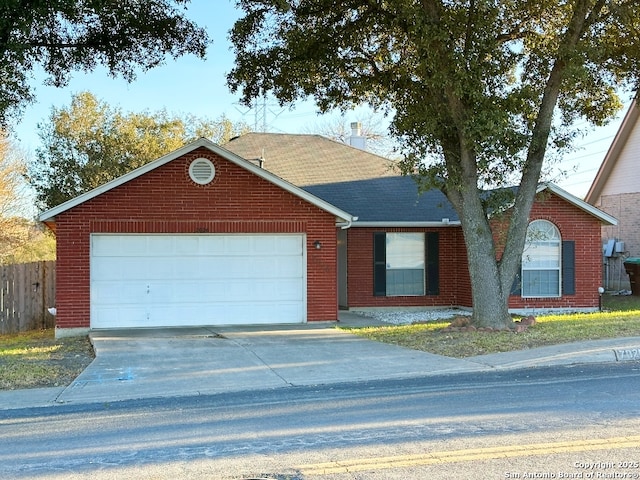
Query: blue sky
{"x": 190, "y": 85}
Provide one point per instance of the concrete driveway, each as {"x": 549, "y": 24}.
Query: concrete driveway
{"x": 134, "y": 364}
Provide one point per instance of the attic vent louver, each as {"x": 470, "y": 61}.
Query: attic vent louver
{"x": 202, "y": 171}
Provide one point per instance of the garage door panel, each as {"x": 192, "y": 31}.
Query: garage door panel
{"x": 105, "y": 269}
{"x": 265, "y": 245}
{"x": 109, "y": 246}
{"x": 159, "y": 245}
{"x": 289, "y": 269}
{"x": 115, "y": 268}
{"x": 208, "y": 265}
{"x": 263, "y": 291}
{"x": 110, "y": 293}
{"x": 187, "y": 246}
{"x": 283, "y": 308}
{"x": 183, "y": 268}
{"x": 212, "y": 244}
{"x": 289, "y": 245}
{"x": 240, "y": 246}
{"x": 240, "y": 267}
{"x": 170, "y": 280}
{"x": 201, "y": 292}
{"x": 133, "y": 247}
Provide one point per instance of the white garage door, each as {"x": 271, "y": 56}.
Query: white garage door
{"x": 185, "y": 280}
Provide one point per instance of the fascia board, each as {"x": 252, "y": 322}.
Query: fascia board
{"x": 581, "y": 204}
{"x": 374, "y": 224}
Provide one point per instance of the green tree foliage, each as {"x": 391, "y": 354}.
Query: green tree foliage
{"x": 480, "y": 91}
{"x": 69, "y": 35}
{"x": 90, "y": 143}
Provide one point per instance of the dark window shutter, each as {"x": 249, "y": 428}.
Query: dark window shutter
{"x": 569, "y": 267}
{"x": 432, "y": 263}
{"x": 379, "y": 264}
{"x": 516, "y": 286}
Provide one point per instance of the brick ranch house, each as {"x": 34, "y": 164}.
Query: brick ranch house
{"x": 277, "y": 228}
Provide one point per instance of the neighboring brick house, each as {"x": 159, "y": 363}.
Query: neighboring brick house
{"x": 286, "y": 229}
{"x": 616, "y": 190}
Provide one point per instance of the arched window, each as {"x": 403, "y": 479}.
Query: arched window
{"x": 541, "y": 260}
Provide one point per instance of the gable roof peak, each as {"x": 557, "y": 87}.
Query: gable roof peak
{"x": 202, "y": 142}
{"x": 611, "y": 158}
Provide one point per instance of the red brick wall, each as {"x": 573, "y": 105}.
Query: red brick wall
{"x": 165, "y": 200}
{"x": 360, "y": 269}
{"x": 455, "y": 285}
{"x": 583, "y": 228}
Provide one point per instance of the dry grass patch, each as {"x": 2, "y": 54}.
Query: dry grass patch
{"x": 37, "y": 359}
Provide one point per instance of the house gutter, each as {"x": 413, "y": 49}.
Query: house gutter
{"x": 442, "y": 223}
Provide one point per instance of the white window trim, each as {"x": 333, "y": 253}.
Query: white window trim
{"x": 555, "y": 269}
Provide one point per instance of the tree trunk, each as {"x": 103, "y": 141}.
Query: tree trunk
{"x": 492, "y": 278}
{"x": 489, "y": 294}
{"x": 489, "y": 279}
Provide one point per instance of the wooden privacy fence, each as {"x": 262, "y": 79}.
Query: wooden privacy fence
{"x": 27, "y": 290}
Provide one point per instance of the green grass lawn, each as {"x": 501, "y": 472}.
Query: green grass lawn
{"x": 620, "y": 318}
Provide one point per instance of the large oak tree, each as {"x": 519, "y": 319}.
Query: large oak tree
{"x": 481, "y": 91}
{"x": 62, "y": 36}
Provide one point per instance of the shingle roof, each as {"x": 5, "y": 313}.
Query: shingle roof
{"x": 337, "y": 178}
{"x": 310, "y": 159}
{"x": 364, "y": 184}
{"x": 355, "y": 181}
{"x": 386, "y": 199}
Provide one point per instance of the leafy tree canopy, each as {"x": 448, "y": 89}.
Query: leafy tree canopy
{"x": 90, "y": 143}
{"x": 479, "y": 90}
{"x": 67, "y": 35}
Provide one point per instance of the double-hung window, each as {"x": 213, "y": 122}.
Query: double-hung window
{"x": 405, "y": 263}
{"x": 542, "y": 260}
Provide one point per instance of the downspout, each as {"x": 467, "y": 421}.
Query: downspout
{"x": 347, "y": 224}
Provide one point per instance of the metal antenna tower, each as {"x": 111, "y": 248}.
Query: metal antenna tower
{"x": 262, "y": 109}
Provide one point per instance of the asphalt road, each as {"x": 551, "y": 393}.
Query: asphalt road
{"x": 557, "y": 422}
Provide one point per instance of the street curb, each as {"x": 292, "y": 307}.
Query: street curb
{"x": 627, "y": 354}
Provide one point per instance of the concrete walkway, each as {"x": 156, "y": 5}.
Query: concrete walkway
{"x": 196, "y": 361}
